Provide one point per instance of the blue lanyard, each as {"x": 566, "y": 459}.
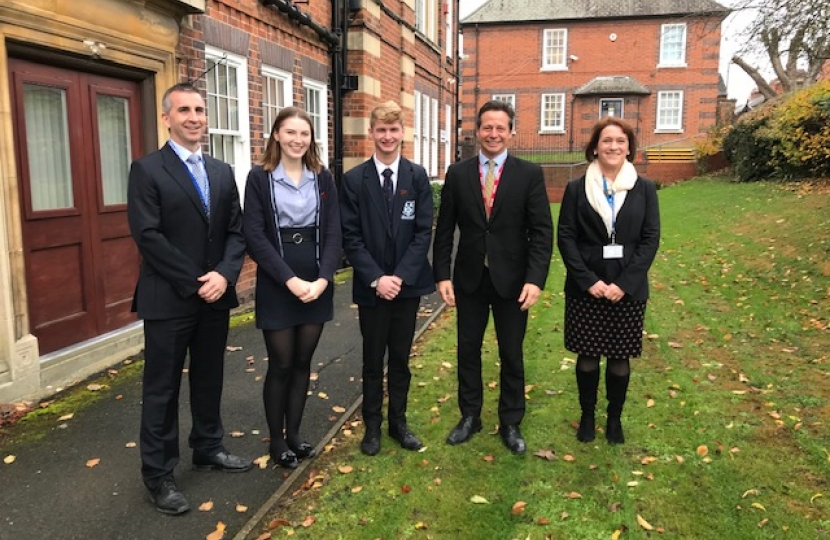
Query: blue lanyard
{"x": 609, "y": 196}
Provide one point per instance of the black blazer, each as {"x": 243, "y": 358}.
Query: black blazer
{"x": 260, "y": 227}
{"x": 176, "y": 240}
{"x": 375, "y": 246}
{"x": 518, "y": 237}
{"x": 582, "y": 235}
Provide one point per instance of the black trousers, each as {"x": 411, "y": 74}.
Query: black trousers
{"x": 388, "y": 326}
{"x": 166, "y": 343}
{"x": 473, "y": 312}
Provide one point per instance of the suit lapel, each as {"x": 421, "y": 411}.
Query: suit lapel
{"x": 176, "y": 168}
{"x": 371, "y": 183}
{"x": 473, "y": 179}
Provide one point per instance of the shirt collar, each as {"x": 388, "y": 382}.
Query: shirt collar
{"x": 382, "y": 166}
{"x": 278, "y": 174}
{"x": 499, "y": 159}
{"x": 183, "y": 152}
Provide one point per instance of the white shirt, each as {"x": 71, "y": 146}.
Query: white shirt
{"x": 382, "y": 167}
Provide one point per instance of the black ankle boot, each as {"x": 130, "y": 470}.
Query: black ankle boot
{"x": 587, "y": 383}
{"x": 616, "y": 387}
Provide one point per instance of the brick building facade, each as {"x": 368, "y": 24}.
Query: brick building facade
{"x": 563, "y": 65}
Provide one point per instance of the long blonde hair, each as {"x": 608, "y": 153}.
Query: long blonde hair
{"x": 273, "y": 152}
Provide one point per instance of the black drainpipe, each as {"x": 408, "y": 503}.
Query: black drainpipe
{"x": 340, "y": 82}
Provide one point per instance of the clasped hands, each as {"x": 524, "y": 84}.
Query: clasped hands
{"x": 388, "y": 287}
{"x": 307, "y": 291}
{"x": 213, "y": 286}
{"x": 611, "y": 292}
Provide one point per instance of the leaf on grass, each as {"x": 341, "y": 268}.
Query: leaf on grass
{"x": 543, "y": 521}
{"x": 518, "y": 508}
{"x": 564, "y": 515}
{"x": 277, "y": 523}
{"x": 753, "y": 492}
{"x": 357, "y": 489}
{"x": 345, "y": 469}
{"x": 405, "y": 489}
{"x": 94, "y": 387}
{"x": 568, "y": 457}
{"x": 308, "y": 521}
{"x": 648, "y": 459}
{"x": 66, "y": 417}
{"x": 614, "y": 507}
{"x": 529, "y": 387}
{"x": 643, "y": 523}
{"x": 759, "y": 506}
{"x": 549, "y": 455}
{"x": 264, "y": 536}
{"x": 675, "y": 345}
{"x": 93, "y": 462}
{"x": 338, "y": 409}
{"x": 702, "y": 450}
{"x": 218, "y": 534}
{"x": 478, "y": 499}
{"x": 488, "y": 458}
{"x": 616, "y": 534}
{"x": 420, "y": 526}
{"x": 763, "y": 522}
{"x": 633, "y": 483}
{"x": 492, "y": 385}
{"x": 446, "y": 365}
{"x": 574, "y": 495}
{"x": 8, "y": 460}
{"x": 241, "y": 508}
{"x": 650, "y": 403}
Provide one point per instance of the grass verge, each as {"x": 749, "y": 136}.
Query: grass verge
{"x": 726, "y": 418}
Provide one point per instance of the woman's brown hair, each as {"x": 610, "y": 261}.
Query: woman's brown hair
{"x": 273, "y": 152}
{"x": 593, "y": 143}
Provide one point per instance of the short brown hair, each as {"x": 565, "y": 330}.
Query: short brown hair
{"x": 593, "y": 142}
{"x": 273, "y": 152}
{"x": 496, "y": 105}
{"x": 388, "y": 113}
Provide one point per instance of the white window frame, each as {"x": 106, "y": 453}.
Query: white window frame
{"x": 416, "y": 130}
{"x": 321, "y": 119}
{"x": 241, "y": 137}
{"x": 664, "y": 107}
{"x": 545, "y": 127}
{"x": 268, "y": 100}
{"x": 426, "y": 18}
{"x": 547, "y": 38}
{"x": 425, "y": 131}
{"x": 433, "y": 141}
{"x": 670, "y": 56}
{"x": 448, "y": 139}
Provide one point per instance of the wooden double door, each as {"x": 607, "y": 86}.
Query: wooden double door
{"x": 76, "y": 134}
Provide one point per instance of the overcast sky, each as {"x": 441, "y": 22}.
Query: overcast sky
{"x": 739, "y": 85}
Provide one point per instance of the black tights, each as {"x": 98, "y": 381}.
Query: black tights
{"x": 617, "y": 366}
{"x": 286, "y": 384}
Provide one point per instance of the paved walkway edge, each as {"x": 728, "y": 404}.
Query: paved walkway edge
{"x": 294, "y": 477}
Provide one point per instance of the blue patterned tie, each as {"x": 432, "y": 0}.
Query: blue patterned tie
{"x": 198, "y": 170}
{"x": 388, "y": 189}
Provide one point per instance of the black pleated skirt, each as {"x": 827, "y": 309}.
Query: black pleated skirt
{"x": 276, "y": 307}
{"x": 598, "y": 327}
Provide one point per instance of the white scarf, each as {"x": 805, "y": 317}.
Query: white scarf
{"x": 625, "y": 180}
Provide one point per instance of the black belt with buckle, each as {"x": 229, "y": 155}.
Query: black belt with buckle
{"x": 297, "y": 236}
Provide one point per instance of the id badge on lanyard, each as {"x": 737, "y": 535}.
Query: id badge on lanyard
{"x": 612, "y": 250}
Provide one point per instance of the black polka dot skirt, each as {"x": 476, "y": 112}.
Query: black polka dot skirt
{"x": 598, "y": 327}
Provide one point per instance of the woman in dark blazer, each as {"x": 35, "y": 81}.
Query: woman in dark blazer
{"x": 291, "y": 223}
{"x": 609, "y": 231}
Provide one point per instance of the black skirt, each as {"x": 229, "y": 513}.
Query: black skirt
{"x": 599, "y": 327}
{"x": 276, "y": 307}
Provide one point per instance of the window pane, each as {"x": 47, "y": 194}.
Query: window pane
{"x": 47, "y": 147}
{"x": 114, "y": 147}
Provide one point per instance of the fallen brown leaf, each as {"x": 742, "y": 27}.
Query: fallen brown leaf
{"x": 241, "y": 508}
{"x": 574, "y": 495}
{"x": 93, "y": 462}
{"x": 643, "y": 523}
{"x": 345, "y": 469}
{"x": 277, "y": 523}
{"x": 308, "y": 521}
{"x": 518, "y": 508}
{"x": 206, "y": 506}
{"x": 549, "y": 455}
{"x": 218, "y": 534}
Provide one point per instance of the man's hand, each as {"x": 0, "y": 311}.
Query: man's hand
{"x": 213, "y": 286}
{"x": 530, "y": 295}
{"x": 388, "y": 287}
{"x": 447, "y": 292}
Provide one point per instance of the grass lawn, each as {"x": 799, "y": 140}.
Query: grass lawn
{"x": 554, "y": 157}
{"x": 726, "y": 422}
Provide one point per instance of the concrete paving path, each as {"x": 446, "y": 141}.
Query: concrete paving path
{"x": 50, "y": 493}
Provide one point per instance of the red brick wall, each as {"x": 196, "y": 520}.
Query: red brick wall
{"x": 506, "y": 59}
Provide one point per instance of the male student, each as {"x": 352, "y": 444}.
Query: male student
{"x": 386, "y": 212}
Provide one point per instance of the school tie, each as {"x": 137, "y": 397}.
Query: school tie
{"x": 489, "y": 184}
{"x": 388, "y": 189}
{"x": 198, "y": 170}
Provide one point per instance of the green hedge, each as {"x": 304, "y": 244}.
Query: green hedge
{"x": 787, "y": 138}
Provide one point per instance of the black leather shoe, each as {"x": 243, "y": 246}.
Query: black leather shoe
{"x": 466, "y": 428}
{"x": 303, "y": 450}
{"x": 512, "y": 438}
{"x": 371, "y": 442}
{"x": 406, "y": 438}
{"x": 587, "y": 428}
{"x": 222, "y": 461}
{"x": 286, "y": 460}
{"x": 614, "y": 431}
{"x": 168, "y": 499}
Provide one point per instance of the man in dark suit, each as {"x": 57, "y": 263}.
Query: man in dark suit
{"x": 500, "y": 206}
{"x": 386, "y": 211}
{"x": 185, "y": 217}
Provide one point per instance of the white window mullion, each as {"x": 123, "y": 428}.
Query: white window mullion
{"x": 416, "y": 131}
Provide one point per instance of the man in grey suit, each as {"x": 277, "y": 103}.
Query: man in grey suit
{"x": 386, "y": 211}
{"x": 184, "y": 214}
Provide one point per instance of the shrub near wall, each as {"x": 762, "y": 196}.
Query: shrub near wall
{"x": 788, "y": 138}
